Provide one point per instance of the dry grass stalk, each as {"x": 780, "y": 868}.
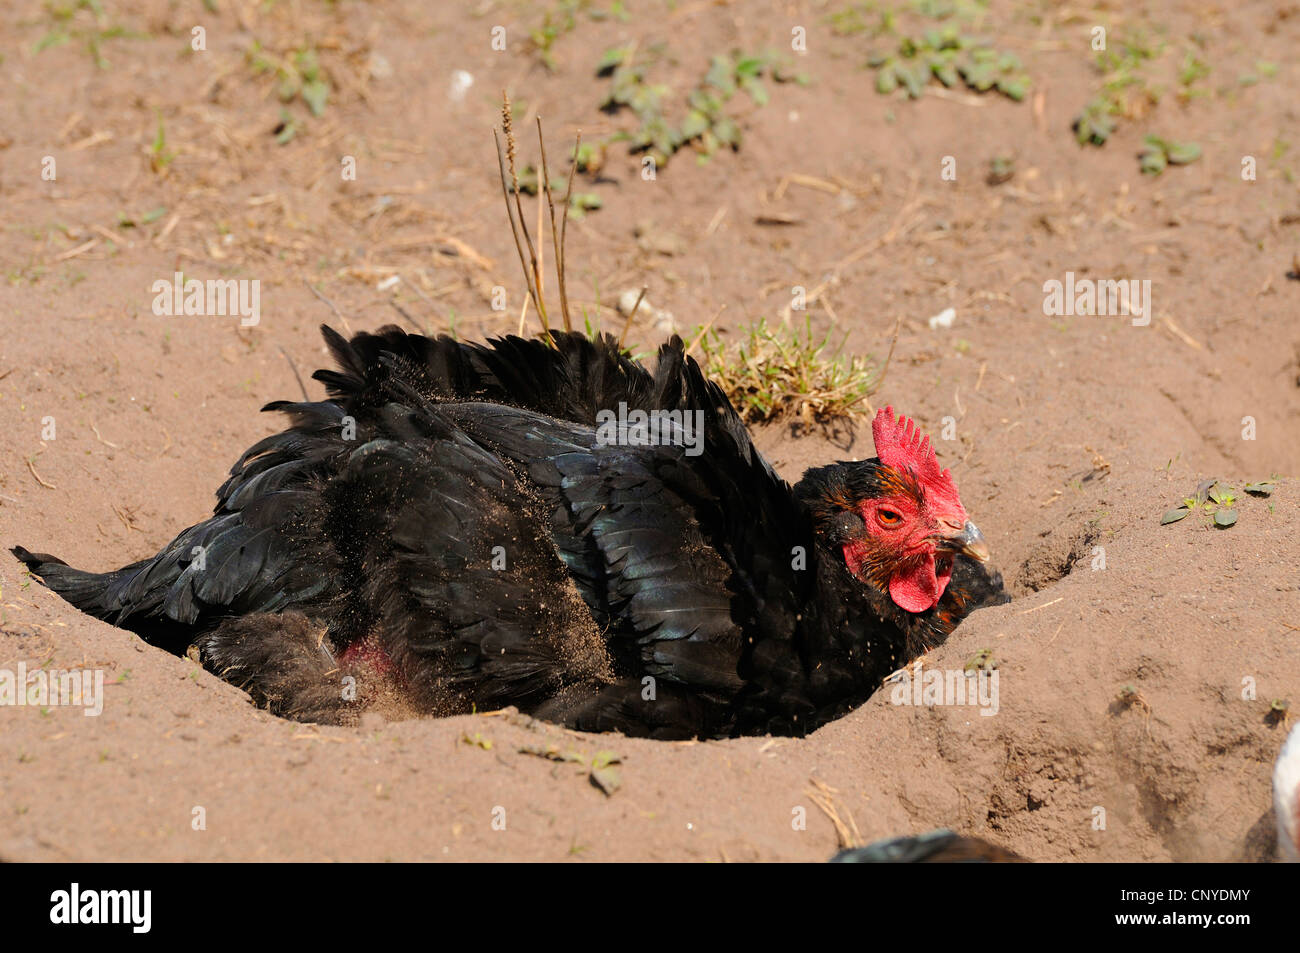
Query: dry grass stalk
{"x": 517, "y": 225}
{"x": 705, "y": 330}
{"x": 846, "y": 830}
{"x": 630, "y": 315}
{"x": 557, "y": 232}
{"x": 564, "y": 229}
{"x": 531, "y": 264}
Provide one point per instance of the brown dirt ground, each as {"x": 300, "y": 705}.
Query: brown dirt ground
{"x": 1071, "y": 433}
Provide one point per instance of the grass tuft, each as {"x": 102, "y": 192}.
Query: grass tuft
{"x": 776, "y": 372}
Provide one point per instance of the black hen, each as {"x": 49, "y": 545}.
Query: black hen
{"x": 559, "y": 529}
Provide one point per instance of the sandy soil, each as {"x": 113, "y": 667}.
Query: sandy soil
{"x": 1122, "y": 689}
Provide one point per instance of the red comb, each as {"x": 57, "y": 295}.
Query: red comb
{"x": 901, "y": 444}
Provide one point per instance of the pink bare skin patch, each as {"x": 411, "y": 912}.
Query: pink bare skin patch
{"x": 368, "y": 653}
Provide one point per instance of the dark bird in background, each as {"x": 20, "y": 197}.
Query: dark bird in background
{"x": 935, "y": 847}
{"x": 461, "y": 523}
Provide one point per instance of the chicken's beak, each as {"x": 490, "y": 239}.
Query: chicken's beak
{"x": 968, "y": 540}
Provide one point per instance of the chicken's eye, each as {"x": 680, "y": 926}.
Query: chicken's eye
{"x": 888, "y": 517}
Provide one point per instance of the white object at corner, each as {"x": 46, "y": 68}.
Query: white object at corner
{"x": 1286, "y": 798}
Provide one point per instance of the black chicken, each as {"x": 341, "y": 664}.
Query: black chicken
{"x": 521, "y": 524}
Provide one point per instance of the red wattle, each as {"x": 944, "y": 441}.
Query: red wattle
{"x": 919, "y": 589}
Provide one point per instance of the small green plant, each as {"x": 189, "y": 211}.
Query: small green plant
{"x": 580, "y": 203}
{"x": 1159, "y": 153}
{"x": 1096, "y": 123}
{"x": 68, "y": 26}
{"x": 1001, "y": 169}
{"x": 1263, "y": 70}
{"x": 54, "y": 38}
{"x": 950, "y": 57}
{"x": 286, "y": 129}
{"x": 555, "y": 23}
{"x": 134, "y": 221}
{"x": 1125, "y": 92}
{"x": 298, "y": 75}
{"x": 1215, "y": 501}
{"x": 1193, "y": 69}
{"x": 775, "y": 372}
{"x": 600, "y": 768}
{"x": 160, "y": 157}
{"x": 562, "y": 19}
{"x": 590, "y": 156}
{"x": 982, "y": 661}
{"x": 706, "y": 126}
{"x": 850, "y": 21}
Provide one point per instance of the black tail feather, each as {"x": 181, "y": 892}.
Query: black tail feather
{"x": 97, "y": 594}
{"x": 85, "y": 590}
